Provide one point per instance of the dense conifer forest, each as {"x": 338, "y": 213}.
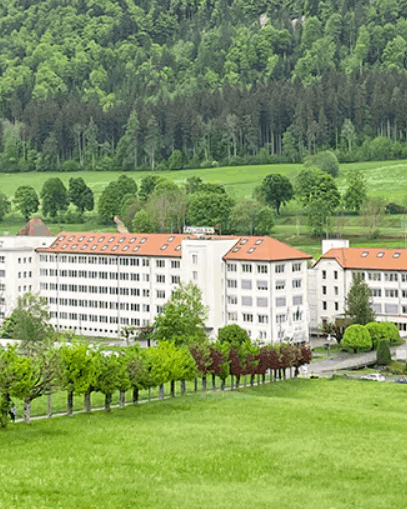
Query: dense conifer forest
{"x": 144, "y": 84}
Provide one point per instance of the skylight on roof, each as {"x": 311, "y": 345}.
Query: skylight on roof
{"x": 136, "y": 248}
{"x": 380, "y": 255}
{"x": 74, "y": 246}
{"x": 64, "y": 246}
{"x": 171, "y": 239}
{"x": 101, "y": 239}
{"x": 91, "y": 238}
{"x": 111, "y": 239}
{"x": 133, "y": 239}
{"x": 396, "y": 255}
{"x": 93, "y": 247}
{"x": 251, "y": 250}
{"x": 81, "y": 238}
{"x": 71, "y": 238}
{"x": 125, "y": 248}
{"x": 61, "y": 238}
{"x": 143, "y": 240}
{"x": 243, "y": 242}
{"x": 122, "y": 239}
{"x": 84, "y": 247}
{"x": 164, "y": 246}
{"x": 104, "y": 248}
{"x": 258, "y": 242}
{"x": 236, "y": 249}
{"x": 177, "y": 248}
{"x": 365, "y": 253}
{"x": 115, "y": 247}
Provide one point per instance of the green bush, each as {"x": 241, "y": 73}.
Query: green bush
{"x": 377, "y": 333}
{"x": 392, "y": 332}
{"x": 328, "y": 162}
{"x": 356, "y": 337}
{"x": 383, "y": 356}
{"x": 396, "y": 368}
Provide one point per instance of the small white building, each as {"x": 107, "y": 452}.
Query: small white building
{"x": 383, "y": 269}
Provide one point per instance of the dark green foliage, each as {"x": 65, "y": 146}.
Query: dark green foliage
{"x": 80, "y": 194}
{"x": 356, "y": 337}
{"x": 359, "y": 308}
{"x": 5, "y": 206}
{"x": 328, "y": 162}
{"x": 383, "y": 355}
{"x": 276, "y": 190}
{"x": 110, "y": 201}
{"x": 26, "y": 201}
{"x": 54, "y": 197}
{"x": 147, "y": 187}
{"x": 209, "y": 209}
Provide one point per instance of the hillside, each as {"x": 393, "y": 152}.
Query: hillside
{"x": 174, "y": 84}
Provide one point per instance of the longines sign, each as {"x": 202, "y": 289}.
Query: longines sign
{"x": 199, "y": 230}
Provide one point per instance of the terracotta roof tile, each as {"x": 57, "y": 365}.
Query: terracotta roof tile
{"x": 264, "y": 249}
{"x": 368, "y": 258}
{"x": 36, "y": 228}
{"x": 141, "y": 244}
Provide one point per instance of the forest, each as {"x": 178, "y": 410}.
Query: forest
{"x": 175, "y": 84}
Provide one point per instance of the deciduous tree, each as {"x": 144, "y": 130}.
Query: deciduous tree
{"x": 26, "y": 201}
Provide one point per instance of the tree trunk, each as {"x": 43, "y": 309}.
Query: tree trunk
{"x": 196, "y": 385}
{"x": 183, "y": 387}
{"x": 222, "y": 384}
{"x": 252, "y": 377}
{"x": 49, "y": 406}
{"x": 88, "y": 404}
{"x": 296, "y": 371}
{"x": 122, "y": 399}
{"x": 108, "y": 401}
{"x": 263, "y": 376}
{"x": 27, "y": 410}
{"x": 204, "y": 383}
{"x": 135, "y": 396}
{"x": 244, "y": 381}
{"x": 214, "y": 382}
{"x": 161, "y": 392}
{"x": 237, "y": 381}
{"x": 231, "y": 383}
{"x": 69, "y": 409}
{"x": 172, "y": 389}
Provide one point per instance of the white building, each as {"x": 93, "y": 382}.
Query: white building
{"x": 96, "y": 283}
{"x": 383, "y": 269}
{"x": 18, "y": 269}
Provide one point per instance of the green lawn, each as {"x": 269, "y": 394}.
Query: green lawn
{"x": 299, "y": 444}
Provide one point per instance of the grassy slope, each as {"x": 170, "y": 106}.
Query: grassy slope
{"x": 293, "y": 445}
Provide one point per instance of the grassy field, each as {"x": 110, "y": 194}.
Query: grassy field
{"x": 298, "y": 444}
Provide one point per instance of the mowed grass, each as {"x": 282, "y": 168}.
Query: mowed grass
{"x": 298, "y": 444}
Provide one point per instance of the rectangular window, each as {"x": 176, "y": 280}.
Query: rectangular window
{"x": 124, "y": 291}
{"x": 231, "y": 283}
{"x": 324, "y": 274}
{"x": 247, "y": 301}
{"x": 146, "y": 308}
{"x": 146, "y": 262}
{"x": 175, "y": 264}
{"x": 247, "y": 317}
{"x": 391, "y": 309}
{"x": 324, "y": 290}
{"x": 262, "y": 269}
{"x": 135, "y": 292}
{"x": 390, "y": 276}
{"x": 374, "y": 276}
{"x": 280, "y": 318}
{"x": 246, "y": 267}
{"x": 2, "y": 259}
{"x": 231, "y": 267}
{"x": 114, "y": 275}
{"x": 279, "y": 268}
{"x": 124, "y": 276}
{"x": 335, "y": 274}
{"x": 280, "y": 285}
{"x": 160, "y": 278}
{"x": 262, "y": 302}
{"x": 336, "y": 306}
{"x": 297, "y": 300}
{"x": 280, "y": 301}
{"x": 175, "y": 280}
{"x": 135, "y": 307}
{"x": 263, "y": 318}
{"x": 160, "y": 263}
{"x": 376, "y": 292}
{"x": 146, "y": 277}
{"x": 135, "y": 277}
{"x": 336, "y": 290}
{"x": 391, "y": 293}
{"x": 296, "y": 283}
{"x": 296, "y": 267}
{"x": 232, "y": 317}
{"x": 160, "y": 294}
{"x": 159, "y": 309}
{"x": 194, "y": 275}
{"x": 232, "y": 299}
{"x": 135, "y": 262}
{"x": 404, "y": 310}
{"x": 324, "y": 305}
{"x": 262, "y": 285}
{"x": 194, "y": 259}
{"x": 246, "y": 284}
{"x": 146, "y": 293}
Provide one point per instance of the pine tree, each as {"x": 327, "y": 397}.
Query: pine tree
{"x": 359, "y": 301}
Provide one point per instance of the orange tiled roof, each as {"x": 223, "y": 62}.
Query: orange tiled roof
{"x": 36, "y": 228}
{"x": 264, "y": 248}
{"x": 141, "y": 244}
{"x": 368, "y": 258}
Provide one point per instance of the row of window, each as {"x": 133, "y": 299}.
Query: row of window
{"x": 261, "y": 268}
{"x": 264, "y": 319}
{"x": 99, "y": 319}
{"x": 297, "y": 300}
{"x": 20, "y": 260}
{"x": 246, "y": 284}
{"x": 101, "y": 260}
{"x": 390, "y": 277}
{"x": 122, "y": 306}
{"x": 96, "y": 289}
{"x": 20, "y": 274}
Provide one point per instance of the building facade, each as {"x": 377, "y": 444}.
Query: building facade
{"x": 97, "y": 283}
{"x": 383, "y": 269}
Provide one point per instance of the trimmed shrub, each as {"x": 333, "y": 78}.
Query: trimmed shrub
{"x": 392, "y": 332}
{"x": 356, "y": 338}
{"x": 377, "y": 332}
{"x": 383, "y": 355}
